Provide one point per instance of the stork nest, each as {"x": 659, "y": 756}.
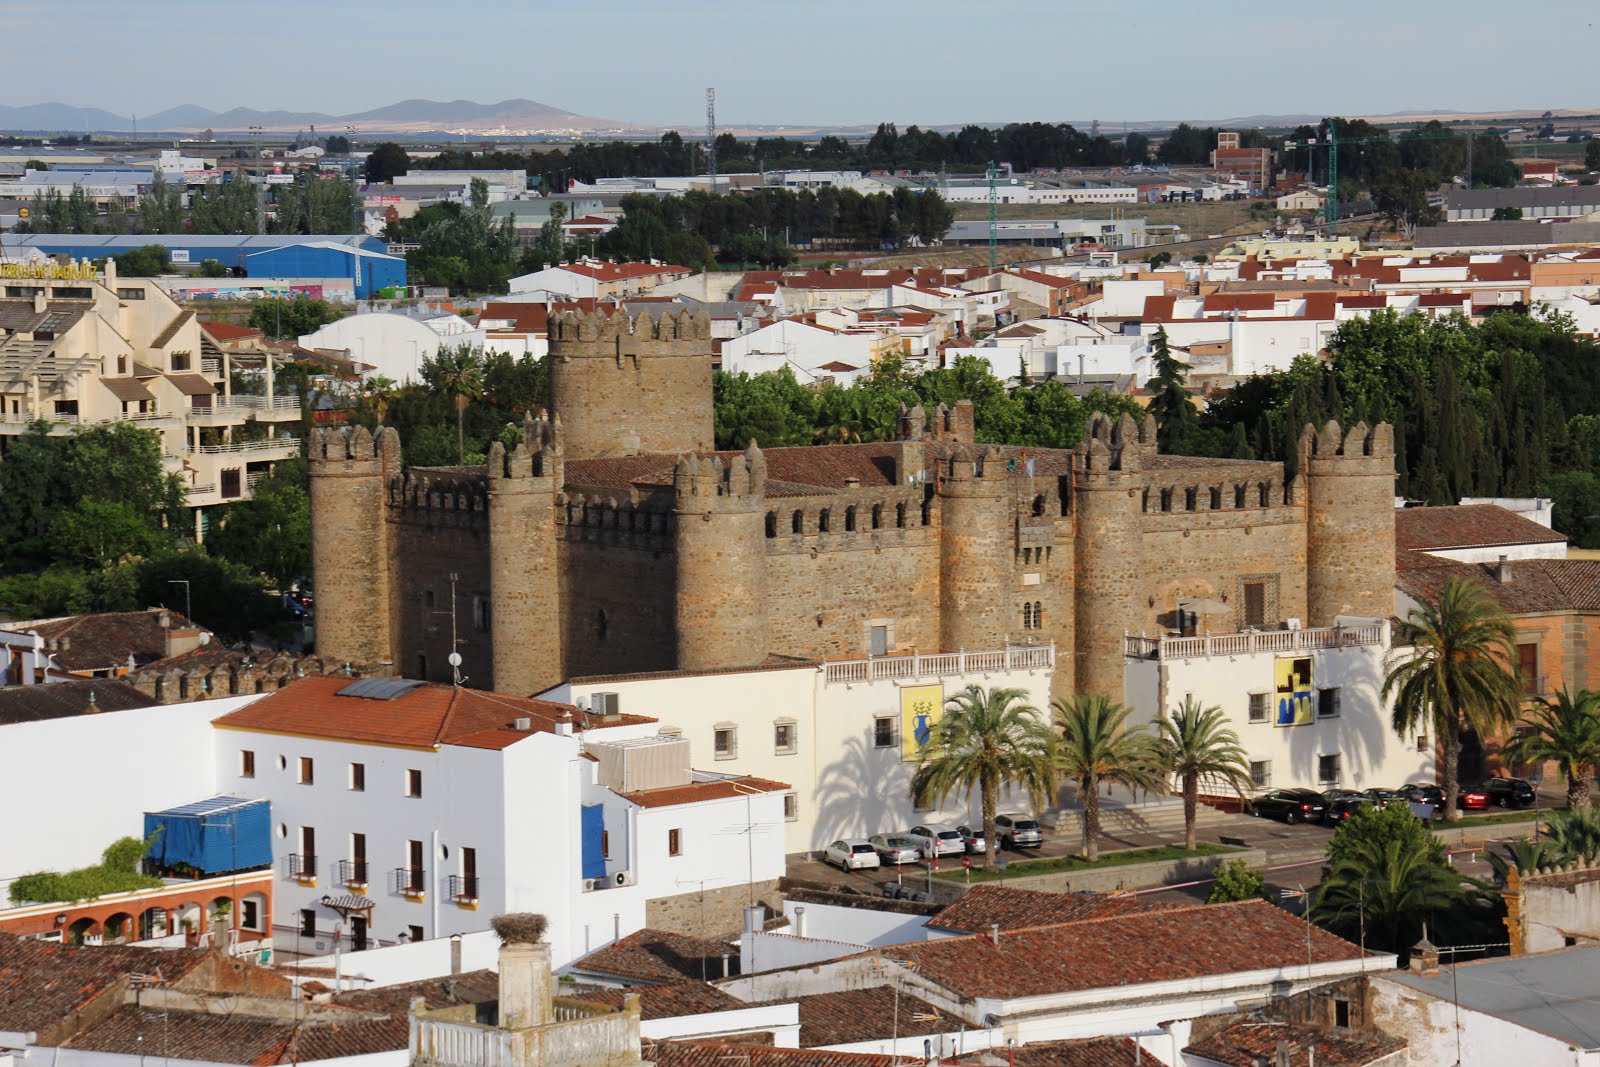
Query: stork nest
{"x": 522, "y": 927}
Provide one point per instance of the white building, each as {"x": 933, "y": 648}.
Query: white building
{"x": 436, "y": 808}
{"x": 393, "y": 344}
{"x": 810, "y": 349}
{"x": 842, "y": 733}
{"x": 1307, "y": 704}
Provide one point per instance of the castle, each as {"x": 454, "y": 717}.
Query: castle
{"x": 613, "y": 539}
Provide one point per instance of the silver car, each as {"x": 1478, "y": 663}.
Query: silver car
{"x": 852, "y": 854}
{"x": 972, "y": 837}
{"x": 1018, "y": 831}
{"x": 938, "y": 840}
{"x": 895, "y": 849}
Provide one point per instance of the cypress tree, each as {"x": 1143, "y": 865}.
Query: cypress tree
{"x": 1239, "y": 444}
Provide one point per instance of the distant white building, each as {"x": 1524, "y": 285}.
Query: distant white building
{"x": 392, "y": 343}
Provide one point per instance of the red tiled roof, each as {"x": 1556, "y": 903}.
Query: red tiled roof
{"x": 673, "y": 999}
{"x": 1468, "y": 526}
{"x": 838, "y": 367}
{"x": 1245, "y": 1044}
{"x": 525, "y": 316}
{"x": 62, "y": 700}
{"x": 1157, "y": 308}
{"x": 611, "y": 272}
{"x": 982, "y": 906}
{"x": 659, "y": 957}
{"x": 1240, "y": 302}
{"x": 727, "y": 1054}
{"x": 106, "y": 640}
{"x": 1537, "y": 586}
{"x": 1040, "y": 278}
{"x": 227, "y": 331}
{"x": 42, "y": 983}
{"x": 427, "y": 716}
{"x": 699, "y": 792}
{"x": 1125, "y": 950}
{"x": 868, "y": 1014}
{"x": 1085, "y": 1052}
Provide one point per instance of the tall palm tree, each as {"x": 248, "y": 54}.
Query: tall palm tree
{"x": 1456, "y": 677}
{"x": 1524, "y": 855}
{"x": 988, "y": 738}
{"x": 1567, "y": 730}
{"x": 1195, "y": 743}
{"x": 1097, "y": 746}
{"x": 1383, "y": 890}
{"x": 1575, "y": 834}
{"x": 458, "y": 371}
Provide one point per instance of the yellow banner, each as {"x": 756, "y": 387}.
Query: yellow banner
{"x": 49, "y": 271}
{"x": 921, "y": 708}
{"x": 1294, "y": 690}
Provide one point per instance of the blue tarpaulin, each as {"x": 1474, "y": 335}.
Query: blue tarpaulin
{"x": 594, "y": 856}
{"x": 224, "y": 833}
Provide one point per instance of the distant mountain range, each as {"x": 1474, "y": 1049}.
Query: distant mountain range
{"x": 407, "y": 116}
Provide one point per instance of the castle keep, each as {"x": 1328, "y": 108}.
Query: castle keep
{"x": 612, "y": 539}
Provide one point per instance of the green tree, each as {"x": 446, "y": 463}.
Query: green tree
{"x": 1098, "y": 747}
{"x": 551, "y": 245}
{"x": 97, "y": 533}
{"x": 456, "y": 371}
{"x": 1236, "y": 880}
{"x": 1195, "y": 744}
{"x": 987, "y": 739}
{"x": 1385, "y": 878}
{"x": 270, "y": 533}
{"x": 1506, "y": 214}
{"x": 1591, "y": 155}
{"x": 1576, "y": 495}
{"x": 1523, "y": 856}
{"x": 1575, "y": 835}
{"x": 1456, "y": 676}
{"x": 386, "y": 162}
{"x": 285, "y": 319}
{"x": 144, "y": 262}
{"x": 1566, "y": 730}
{"x": 212, "y": 268}
{"x": 161, "y": 207}
{"x": 1170, "y": 403}
{"x": 466, "y": 247}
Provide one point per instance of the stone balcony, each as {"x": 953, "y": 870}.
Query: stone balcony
{"x": 939, "y": 664}
{"x": 1253, "y": 642}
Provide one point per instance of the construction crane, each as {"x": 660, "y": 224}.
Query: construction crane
{"x": 1330, "y": 209}
{"x": 994, "y": 219}
{"x": 711, "y": 136}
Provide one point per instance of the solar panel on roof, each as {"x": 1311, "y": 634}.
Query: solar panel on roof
{"x": 380, "y": 688}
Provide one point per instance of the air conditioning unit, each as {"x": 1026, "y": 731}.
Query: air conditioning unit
{"x": 622, "y": 878}
{"x": 592, "y": 884}
{"x": 606, "y": 705}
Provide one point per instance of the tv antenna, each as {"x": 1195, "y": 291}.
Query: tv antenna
{"x": 711, "y": 136}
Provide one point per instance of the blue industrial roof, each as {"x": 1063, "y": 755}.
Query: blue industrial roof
{"x": 252, "y": 242}
{"x": 213, "y": 806}
{"x": 366, "y": 253}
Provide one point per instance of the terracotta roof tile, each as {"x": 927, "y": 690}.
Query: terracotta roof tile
{"x": 105, "y": 640}
{"x": 982, "y": 906}
{"x": 1537, "y": 586}
{"x": 42, "y": 983}
{"x": 427, "y": 716}
{"x": 722, "y": 1054}
{"x": 699, "y": 792}
{"x": 1244, "y": 1044}
{"x": 61, "y": 700}
{"x": 672, "y": 999}
{"x": 1468, "y": 526}
{"x": 1085, "y": 1052}
{"x": 659, "y": 957}
{"x": 227, "y": 331}
{"x": 868, "y": 1014}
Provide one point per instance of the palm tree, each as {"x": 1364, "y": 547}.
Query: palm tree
{"x": 1523, "y": 855}
{"x": 458, "y": 372}
{"x": 1097, "y": 746}
{"x": 1456, "y": 677}
{"x": 1195, "y": 742}
{"x": 1567, "y": 730}
{"x": 1383, "y": 890}
{"x": 986, "y": 739}
{"x": 1575, "y": 834}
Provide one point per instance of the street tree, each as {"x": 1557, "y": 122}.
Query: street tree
{"x": 1195, "y": 744}
{"x": 1097, "y": 747}
{"x": 1565, "y": 729}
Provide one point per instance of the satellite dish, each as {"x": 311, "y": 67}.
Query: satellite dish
{"x": 205, "y": 639}
{"x": 454, "y": 659}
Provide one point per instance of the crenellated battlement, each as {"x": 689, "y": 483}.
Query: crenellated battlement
{"x": 630, "y": 522}
{"x": 538, "y": 457}
{"x": 852, "y": 512}
{"x": 700, "y": 481}
{"x": 1120, "y": 445}
{"x": 579, "y": 327}
{"x": 356, "y": 451}
{"x": 438, "y": 496}
{"x": 1360, "y": 442}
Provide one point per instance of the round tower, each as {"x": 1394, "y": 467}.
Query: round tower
{"x": 975, "y": 549}
{"x": 722, "y": 561}
{"x": 348, "y": 486}
{"x": 524, "y": 584}
{"x": 624, "y": 387}
{"x": 1349, "y": 521}
{"x": 1107, "y": 483}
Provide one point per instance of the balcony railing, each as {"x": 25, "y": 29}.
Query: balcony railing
{"x": 261, "y": 445}
{"x": 262, "y": 403}
{"x": 351, "y": 872}
{"x": 211, "y": 366}
{"x": 1250, "y": 643}
{"x": 302, "y": 865}
{"x": 464, "y": 888}
{"x": 939, "y": 664}
{"x": 409, "y": 881}
{"x": 1535, "y": 685}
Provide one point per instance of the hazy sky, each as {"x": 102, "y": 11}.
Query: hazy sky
{"x": 809, "y": 61}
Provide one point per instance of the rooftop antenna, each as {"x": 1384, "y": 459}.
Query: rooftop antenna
{"x": 711, "y": 135}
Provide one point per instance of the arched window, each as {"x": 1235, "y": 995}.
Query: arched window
{"x": 927, "y": 512}
{"x": 900, "y": 516}
{"x": 1166, "y": 500}
{"x": 1038, "y": 504}
{"x": 1190, "y": 498}
{"x": 877, "y": 516}
{"x": 1144, "y": 501}
{"x": 1216, "y": 498}
{"x": 1038, "y": 615}
{"x": 772, "y": 524}
{"x": 602, "y": 625}
{"x": 797, "y": 522}
{"x": 822, "y": 521}
{"x": 850, "y": 519}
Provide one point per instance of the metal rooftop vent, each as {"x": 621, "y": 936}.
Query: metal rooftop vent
{"x": 381, "y": 688}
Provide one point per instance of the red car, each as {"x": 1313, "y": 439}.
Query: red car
{"x": 1472, "y": 798}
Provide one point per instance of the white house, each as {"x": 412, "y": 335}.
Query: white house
{"x": 810, "y": 349}
{"x": 394, "y": 345}
{"x": 843, "y": 734}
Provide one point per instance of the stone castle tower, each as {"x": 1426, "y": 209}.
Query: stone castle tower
{"x": 1107, "y": 485}
{"x": 524, "y": 569}
{"x": 1349, "y": 520}
{"x": 975, "y": 536}
{"x": 722, "y": 560}
{"x": 351, "y": 549}
{"x": 625, "y": 387}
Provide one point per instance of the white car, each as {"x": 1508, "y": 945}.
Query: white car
{"x": 852, "y": 854}
{"x": 972, "y": 837}
{"x": 896, "y": 849}
{"x": 938, "y": 840}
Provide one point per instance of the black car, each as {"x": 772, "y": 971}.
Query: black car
{"x": 1424, "y": 794}
{"x": 1383, "y": 797}
{"x": 1290, "y": 805}
{"x": 1509, "y": 792}
{"x": 1331, "y": 795}
{"x": 1341, "y": 808}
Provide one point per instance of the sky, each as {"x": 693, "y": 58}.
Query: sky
{"x": 810, "y": 62}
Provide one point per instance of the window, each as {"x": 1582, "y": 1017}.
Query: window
{"x": 427, "y": 598}
{"x": 784, "y": 739}
{"x": 791, "y": 807}
{"x": 1260, "y": 773}
{"x": 415, "y": 877}
{"x": 422, "y": 666}
{"x": 878, "y": 641}
{"x": 306, "y": 774}
{"x": 250, "y": 914}
{"x": 308, "y": 922}
{"x": 797, "y": 522}
{"x": 413, "y": 783}
{"x": 1258, "y": 707}
{"x": 726, "y": 739}
{"x": 130, "y": 294}
{"x": 1422, "y": 743}
{"x": 1255, "y": 604}
{"x": 415, "y": 934}
{"x": 850, "y": 519}
{"x": 180, "y": 361}
{"x": 1216, "y": 498}
{"x": 231, "y": 484}
{"x": 247, "y": 763}
{"x": 674, "y": 842}
{"x": 1328, "y": 771}
{"x": 1341, "y": 1012}
{"x": 1528, "y": 669}
{"x": 883, "y": 732}
{"x": 358, "y": 776}
{"x": 1032, "y": 615}
{"x": 1238, "y": 498}
{"x": 1189, "y": 499}
{"x": 480, "y": 613}
{"x": 605, "y": 844}
{"x": 1328, "y": 703}
{"x": 1263, "y": 495}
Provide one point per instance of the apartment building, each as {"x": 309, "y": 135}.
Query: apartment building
{"x": 81, "y": 347}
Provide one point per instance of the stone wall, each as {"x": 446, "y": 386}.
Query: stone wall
{"x": 350, "y": 546}
{"x": 718, "y": 913}
{"x": 618, "y": 595}
{"x": 1349, "y": 521}
{"x": 438, "y": 526}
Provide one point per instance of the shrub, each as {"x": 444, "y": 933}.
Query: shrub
{"x": 1236, "y": 880}
{"x": 117, "y": 872}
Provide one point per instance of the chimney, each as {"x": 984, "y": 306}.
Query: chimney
{"x": 455, "y": 953}
{"x": 1502, "y": 571}
{"x": 1425, "y": 957}
{"x": 524, "y": 725}
{"x": 799, "y": 922}
{"x": 752, "y": 918}
{"x": 1280, "y": 1054}
{"x": 39, "y": 302}
{"x": 525, "y": 985}
{"x": 994, "y": 934}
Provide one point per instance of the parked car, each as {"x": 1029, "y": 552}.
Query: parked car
{"x": 852, "y": 854}
{"x": 1509, "y": 792}
{"x": 1384, "y": 797}
{"x": 1472, "y": 798}
{"x": 895, "y": 849}
{"x": 937, "y": 840}
{"x": 973, "y": 837}
{"x": 1331, "y": 795}
{"x": 1290, "y": 805}
{"x": 1018, "y": 831}
{"x": 1341, "y": 808}
{"x": 1424, "y": 794}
